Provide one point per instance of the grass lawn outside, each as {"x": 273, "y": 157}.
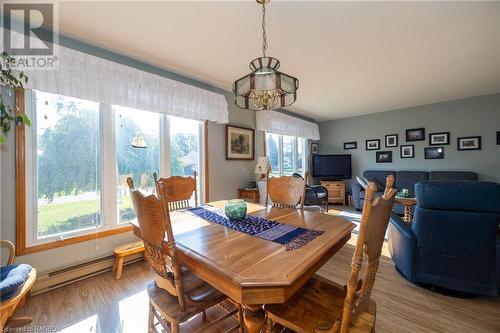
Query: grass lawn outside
{"x": 52, "y": 215}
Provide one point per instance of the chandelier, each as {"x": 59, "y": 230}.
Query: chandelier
{"x": 265, "y": 88}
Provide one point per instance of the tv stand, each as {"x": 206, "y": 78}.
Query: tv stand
{"x": 336, "y": 190}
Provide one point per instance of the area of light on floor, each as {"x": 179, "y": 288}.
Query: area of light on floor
{"x": 134, "y": 313}
{"x": 88, "y": 325}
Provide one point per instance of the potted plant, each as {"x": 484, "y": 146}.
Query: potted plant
{"x": 10, "y": 81}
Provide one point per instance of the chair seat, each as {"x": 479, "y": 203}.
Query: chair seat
{"x": 198, "y": 292}
{"x": 12, "y": 278}
{"x": 321, "y": 195}
{"x": 317, "y": 303}
{"x": 8, "y": 306}
{"x": 200, "y": 295}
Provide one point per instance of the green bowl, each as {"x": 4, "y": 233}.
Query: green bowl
{"x": 236, "y": 209}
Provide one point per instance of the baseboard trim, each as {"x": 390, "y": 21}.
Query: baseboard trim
{"x": 71, "y": 274}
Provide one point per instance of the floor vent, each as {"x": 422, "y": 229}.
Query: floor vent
{"x": 62, "y": 277}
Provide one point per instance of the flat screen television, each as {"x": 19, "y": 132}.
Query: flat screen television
{"x": 332, "y": 166}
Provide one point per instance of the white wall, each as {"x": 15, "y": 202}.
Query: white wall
{"x": 226, "y": 176}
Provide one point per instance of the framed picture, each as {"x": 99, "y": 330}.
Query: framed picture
{"x": 498, "y": 138}
{"x": 314, "y": 148}
{"x": 240, "y": 143}
{"x": 439, "y": 139}
{"x": 407, "y": 151}
{"x": 373, "y": 144}
{"x": 350, "y": 145}
{"x": 391, "y": 140}
{"x": 415, "y": 134}
{"x": 383, "y": 156}
{"x": 469, "y": 143}
{"x": 434, "y": 153}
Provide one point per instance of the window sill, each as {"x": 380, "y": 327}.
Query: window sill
{"x": 22, "y": 250}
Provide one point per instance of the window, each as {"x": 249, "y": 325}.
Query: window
{"x": 273, "y": 152}
{"x": 138, "y": 163}
{"x": 185, "y": 143}
{"x": 68, "y": 196}
{"x": 184, "y": 146}
{"x": 286, "y": 154}
{"x": 79, "y": 156}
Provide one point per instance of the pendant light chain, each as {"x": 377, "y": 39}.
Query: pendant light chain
{"x": 264, "y": 35}
{"x": 265, "y": 88}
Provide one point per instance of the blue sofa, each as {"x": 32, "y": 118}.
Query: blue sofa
{"x": 453, "y": 240}
{"x": 404, "y": 179}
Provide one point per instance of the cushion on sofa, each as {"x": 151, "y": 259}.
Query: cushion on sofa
{"x": 408, "y": 179}
{"x": 378, "y": 176}
{"x": 377, "y": 184}
{"x": 452, "y": 175}
{"x": 12, "y": 278}
{"x": 362, "y": 182}
{"x": 460, "y": 196}
{"x": 376, "y": 195}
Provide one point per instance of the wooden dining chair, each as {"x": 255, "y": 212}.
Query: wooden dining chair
{"x": 286, "y": 191}
{"x": 179, "y": 190}
{"x": 176, "y": 295}
{"x": 324, "y": 306}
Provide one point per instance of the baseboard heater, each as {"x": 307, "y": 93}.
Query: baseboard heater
{"x": 62, "y": 277}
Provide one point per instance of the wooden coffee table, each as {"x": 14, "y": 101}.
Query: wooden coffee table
{"x": 407, "y": 203}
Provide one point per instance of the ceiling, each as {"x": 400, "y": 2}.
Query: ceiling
{"x": 351, "y": 58}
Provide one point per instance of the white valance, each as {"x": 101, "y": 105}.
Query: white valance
{"x": 279, "y": 123}
{"x": 92, "y": 78}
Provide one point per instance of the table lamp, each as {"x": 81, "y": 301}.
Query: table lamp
{"x": 262, "y": 167}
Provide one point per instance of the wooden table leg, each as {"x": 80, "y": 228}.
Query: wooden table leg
{"x": 254, "y": 318}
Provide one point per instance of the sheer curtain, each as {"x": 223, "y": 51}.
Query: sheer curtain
{"x": 279, "y": 123}
{"x": 92, "y": 78}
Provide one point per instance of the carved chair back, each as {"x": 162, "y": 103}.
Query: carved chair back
{"x": 286, "y": 191}
{"x": 374, "y": 220}
{"x": 179, "y": 190}
{"x": 154, "y": 223}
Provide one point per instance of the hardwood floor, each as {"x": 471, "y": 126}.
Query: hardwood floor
{"x": 103, "y": 305}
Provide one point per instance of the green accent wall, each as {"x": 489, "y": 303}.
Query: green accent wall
{"x": 475, "y": 116}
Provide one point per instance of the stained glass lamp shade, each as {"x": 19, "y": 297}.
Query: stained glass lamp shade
{"x": 265, "y": 88}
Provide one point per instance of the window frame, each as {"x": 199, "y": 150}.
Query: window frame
{"x": 27, "y": 240}
{"x": 305, "y": 152}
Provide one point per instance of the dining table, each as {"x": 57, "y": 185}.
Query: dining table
{"x": 253, "y": 271}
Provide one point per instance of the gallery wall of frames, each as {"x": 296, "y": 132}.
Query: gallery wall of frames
{"x": 437, "y": 142}
{"x": 458, "y": 135}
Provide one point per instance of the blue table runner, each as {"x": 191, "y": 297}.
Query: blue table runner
{"x": 285, "y": 234}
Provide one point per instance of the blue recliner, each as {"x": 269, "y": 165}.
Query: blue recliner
{"x": 453, "y": 240}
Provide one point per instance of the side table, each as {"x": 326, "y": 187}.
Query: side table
{"x": 408, "y": 203}
{"x": 249, "y": 194}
